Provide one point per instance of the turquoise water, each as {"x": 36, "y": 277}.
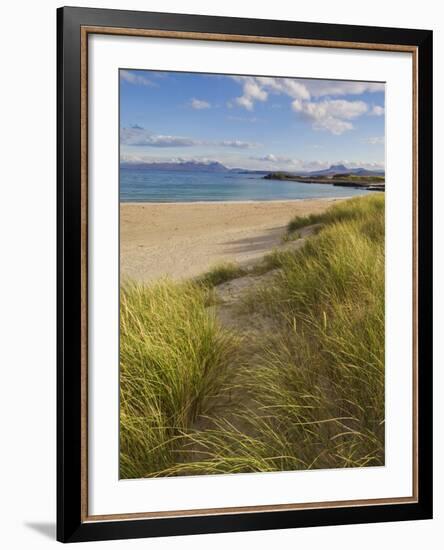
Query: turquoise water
{"x": 164, "y": 186}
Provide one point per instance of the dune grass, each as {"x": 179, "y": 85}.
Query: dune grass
{"x": 352, "y": 209}
{"x": 322, "y": 376}
{"x": 173, "y": 359}
{"x": 221, "y": 273}
{"x": 308, "y": 394}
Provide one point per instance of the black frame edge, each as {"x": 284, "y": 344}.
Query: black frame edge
{"x": 68, "y": 276}
{"x": 69, "y": 525}
{"x": 425, "y": 273}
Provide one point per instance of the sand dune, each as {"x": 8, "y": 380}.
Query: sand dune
{"x": 182, "y": 240}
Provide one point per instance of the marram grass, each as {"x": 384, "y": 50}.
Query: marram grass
{"x": 221, "y": 273}
{"x": 310, "y": 391}
{"x": 173, "y": 359}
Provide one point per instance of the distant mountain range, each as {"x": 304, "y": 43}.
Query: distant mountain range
{"x": 341, "y": 169}
{"x": 214, "y": 166}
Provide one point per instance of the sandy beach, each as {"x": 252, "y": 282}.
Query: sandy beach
{"x": 182, "y": 240}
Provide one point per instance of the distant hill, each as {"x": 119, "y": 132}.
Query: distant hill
{"x": 341, "y": 169}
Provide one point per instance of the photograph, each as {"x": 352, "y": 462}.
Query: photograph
{"x": 252, "y": 273}
{"x": 244, "y": 321}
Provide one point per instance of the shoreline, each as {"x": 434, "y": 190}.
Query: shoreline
{"x": 184, "y": 240}
{"x": 249, "y": 201}
{"x": 369, "y": 183}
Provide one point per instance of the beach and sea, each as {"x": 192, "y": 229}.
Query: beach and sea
{"x": 181, "y": 224}
{"x": 251, "y": 329}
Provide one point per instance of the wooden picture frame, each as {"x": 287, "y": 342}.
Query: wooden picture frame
{"x": 75, "y": 25}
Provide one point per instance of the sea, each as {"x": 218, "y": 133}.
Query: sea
{"x": 173, "y": 186}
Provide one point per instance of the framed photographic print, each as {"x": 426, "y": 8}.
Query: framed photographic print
{"x": 244, "y": 274}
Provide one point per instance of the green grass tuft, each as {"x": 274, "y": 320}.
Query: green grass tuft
{"x": 358, "y": 208}
{"x": 173, "y": 359}
{"x": 221, "y": 273}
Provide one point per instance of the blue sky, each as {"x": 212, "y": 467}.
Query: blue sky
{"x": 250, "y": 122}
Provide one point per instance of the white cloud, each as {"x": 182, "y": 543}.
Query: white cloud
{"x": 237, "y": 144}
{"x": 139, "y": 137}
{"x": 289, "y": 86}
{"x": 333, "y": 115}
{"x": 200, "y": 104}
{"x": 125, "y": 157}
{"x": 377, "y": 110}
{"x": 246, "y": 102}
{"x": 258, "y": 88}
{"x": 357, "y": 164}
{"x": 131, "y": 159}
{"x": 269, "y": 162}
{"x": 320, "y": 88}
{"x": 135, "y": 78}
{"x": 252, "y": 92}
{"x": 276, "y": 162}
{"x": 339, "y": 108}
{"x": 276, "y": 159}
{"x": 378, "y": 140}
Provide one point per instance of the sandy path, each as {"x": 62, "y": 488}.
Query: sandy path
{"x": 185, "y": 239}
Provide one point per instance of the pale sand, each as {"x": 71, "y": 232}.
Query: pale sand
{"x": 182, "y": 240}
